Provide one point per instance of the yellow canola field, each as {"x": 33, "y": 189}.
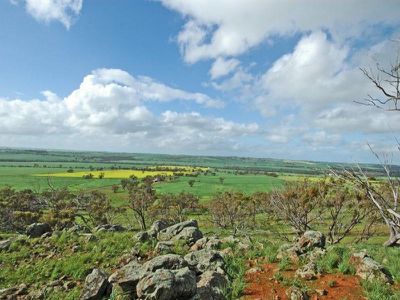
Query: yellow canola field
{"x": 111, "y": 173}
{"x": 124, "y": 173}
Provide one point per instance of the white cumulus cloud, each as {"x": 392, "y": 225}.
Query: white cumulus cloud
{"x": 217, "y": 28}
{"x": 64, "y": 11}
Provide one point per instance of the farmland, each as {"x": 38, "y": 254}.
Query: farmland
{"x": 228, "y": 194}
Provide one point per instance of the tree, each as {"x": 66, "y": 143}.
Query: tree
{"x": 385, "y": 197}
{"x": 94, "y": 208}
{"x": 141, "y": 198}
{"x": 175, "y": 207}
{"x": 387, "y": 82}
{"x": 191, "y": 182}
{"x": 231, "y": 210}
{"x": 297, "y": 204}
{"x": 345, "y": 208}
{"x": 221, "y": 180}
{"x": 115, "y": 188}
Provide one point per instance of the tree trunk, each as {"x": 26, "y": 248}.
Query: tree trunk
{"x": 394, "y": 237}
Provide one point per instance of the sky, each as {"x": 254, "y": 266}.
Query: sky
{"x": 259, "y": 78}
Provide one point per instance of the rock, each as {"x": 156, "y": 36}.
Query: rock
{"x": 157, "y": 226}
{"x": 310, "y": 240}
{"x": 36, "y": 230}
{"x": 369, "y": 269}
{"x": 36, "y": 295}
{"x": 89, "y": 238}
{"x": 199, "y": 244}
{"x": 205, "y": 260}
{"x": 164, "y": 247}
{"x": 321, "y": 292}
{"x": 316, "y": 254}
{"x": 127, "y": 277}
{"x": 142, "y": 236}
{"x": 78, "y": 229}
{"x": 226, "y": 252}
{"x": 167, "y": 261}
{"x": 206, "y": 243}
{"x": 5, "y": 245}
{"x": 171, "y": 231}
{"x": 14, "y": 292}
{"x": 168, "y": 285}
{"x": 211, "y": 286}
{"x": 308, "y": 271}
{"x": 188, "y": 234}
{"x": 96, "y": 286}
{"x": 289, "y": 251}
{"x": 294, "y": 293}
{"x": 109, "y": 227}
{"x": 254, "y": 270}
{"x": 311, "y": 243}
{"x": 46, "y": 235}
{"x": 69, "y": 285}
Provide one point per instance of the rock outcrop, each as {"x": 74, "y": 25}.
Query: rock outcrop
{"x": 36, "y": 230}
{"x": 96, "y": 286}
{"x": 369, "y": 269}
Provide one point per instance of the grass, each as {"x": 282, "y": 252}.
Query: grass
{"x": 37, "y": 261}
{"x": 207, "y": 185}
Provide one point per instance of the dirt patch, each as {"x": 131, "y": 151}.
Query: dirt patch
{"x": 263, "y": 285}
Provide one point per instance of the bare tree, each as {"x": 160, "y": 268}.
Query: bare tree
{"x": 387, "y": 81}
{"x": 384, "y": 196}
{"x": 297, "y": 204}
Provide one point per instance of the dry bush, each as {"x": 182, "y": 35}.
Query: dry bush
{"x": 175, "y": 208}
{"x": 18, "y": 209}
{"x": 231, "y": 210}
{"x": 298, "y": 204}
{"x": 141, "y": 198}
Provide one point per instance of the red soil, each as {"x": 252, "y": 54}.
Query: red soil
{"x": 262, "y": 285}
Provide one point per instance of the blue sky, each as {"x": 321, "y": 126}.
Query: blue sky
{"x": 262, "y": 78}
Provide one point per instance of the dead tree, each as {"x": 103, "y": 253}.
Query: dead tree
{"x": 387, "y": 82}
{"x": 384, "y": 196}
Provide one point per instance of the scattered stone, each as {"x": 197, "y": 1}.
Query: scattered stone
{"x": 89, "y": 238}
{"x": 69, "y": 285}
{"x": 110, "y": 228}
{"x": 96, "y": 286}
{"x": 128, "y": 277}
{"x": 308, "y": 271}
{"x": 168, "y": 285}
{"x": 167, "y": 261}
{"x": 46, "y": 235}
{"x": 171, "y": 231}
{"x": 310, "y": 240}
{"x": 254, "y": 270}
{"x": 188, "y": 234}
{"x": 142, "y": 236}
{"x": 36, "y": 230}
{"x": 14, "y": 292}
{"x": 164, "y": 247}
{"x": 157, "y": 226}
{"x": 294, "y": 293}
{"x": 5, "y": 245}
{"x": 311, "y": 243}
{"x": 321, "y": 292}
{"x": 211, "y": 285}
{"x": 369, "y": 269}
{"x": 205, "y": 260}
{"x": 79, "y": 229}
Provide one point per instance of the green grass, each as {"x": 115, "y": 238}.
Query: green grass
{"x": 207, "y": 185}
{"x": 29, "y": 260}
